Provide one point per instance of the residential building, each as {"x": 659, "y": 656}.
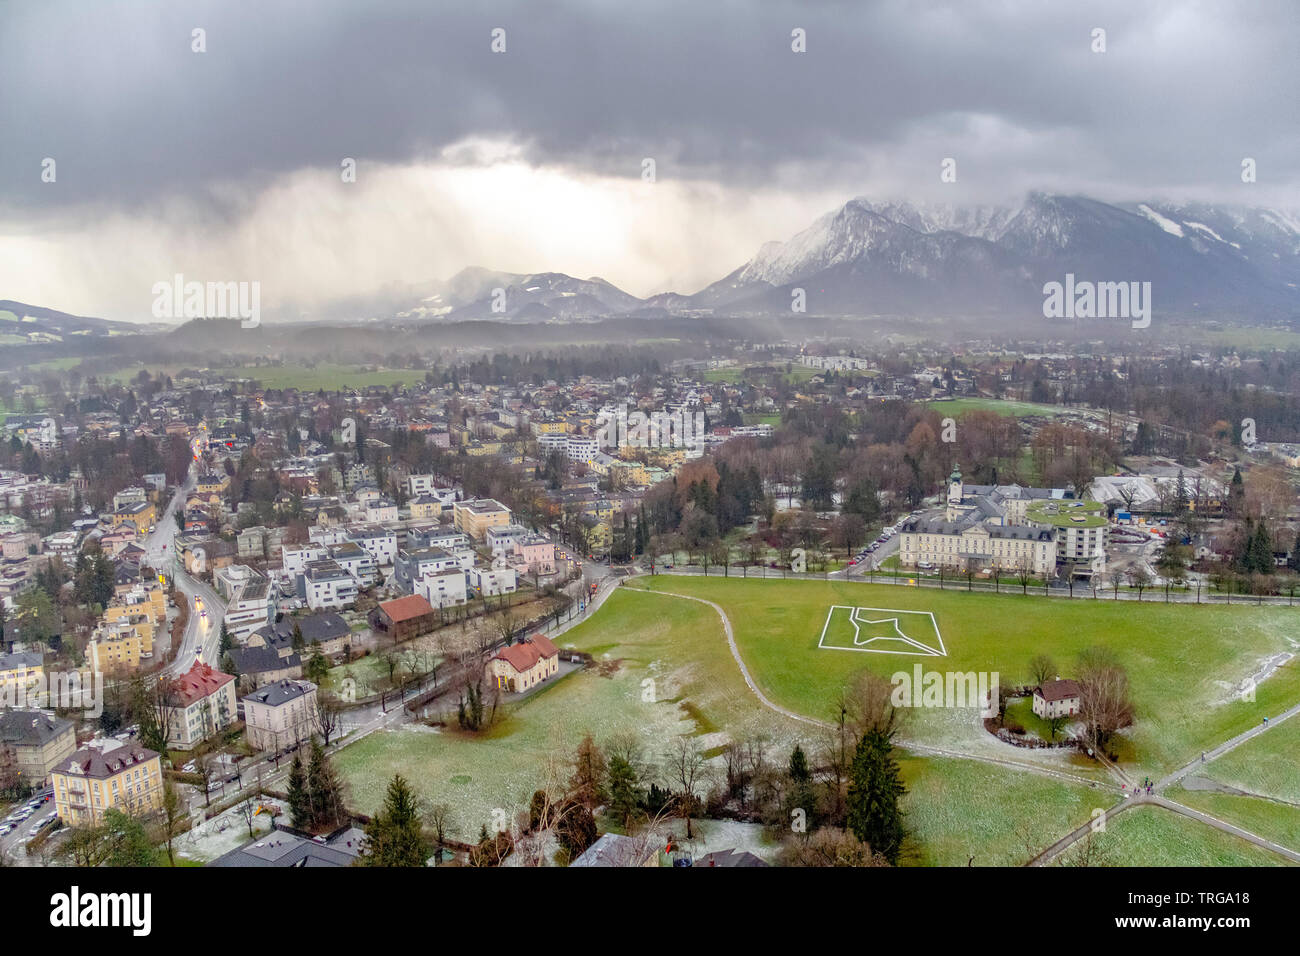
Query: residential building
{"x": 1056, "y": 698}
{"x": 475, "y": 516}
{"x": 19, "y": 673}
{"x": 250, "y": 608}
{"x": 200, "y": 703}
{"x": 525, "y": 664}
{"x": 487, "y": 581}
{"x": 39, "y": 742}
{"x": 324, "y": 584}
{"x": 281, "y": 848}
{"x": 280, "y": 715}
{"x": 107, "y": 775}
{"x": 443, "y": 588}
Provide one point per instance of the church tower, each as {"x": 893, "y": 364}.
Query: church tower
{"x": 954, "y": 486}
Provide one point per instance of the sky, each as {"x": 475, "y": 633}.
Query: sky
{"x": 226, "y": 164}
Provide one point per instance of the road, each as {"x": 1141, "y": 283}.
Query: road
{"x": 202, "y": 638}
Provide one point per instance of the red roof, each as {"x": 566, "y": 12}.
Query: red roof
{"x": 1054, "y": 690}
{"x": 199, "y": 682}
{"x": 525, "y": 655}
{"x": 406, "y": 608}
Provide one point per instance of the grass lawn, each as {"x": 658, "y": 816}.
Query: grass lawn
{"x": 957, "y": 406}
{"x": 1151, "y": 836}
{"x": 1183, "y": 661}
{"x": 1021, "y": 711}
{"x": 956, "y": 809}
{"x": 679, "y": 645}
{"x": 1268, "y": 764}
{"x": 1272, "y": 821}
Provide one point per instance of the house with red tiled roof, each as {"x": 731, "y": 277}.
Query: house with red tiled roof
{"x": 1057, "y": 698}
{"x": 405, "y": 617}
{"x": 524, "y": 665}
{"x": 200, "y": 703}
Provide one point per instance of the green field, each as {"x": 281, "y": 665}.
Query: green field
{"x": 956, "y": 809}
{"x": 957, "y": 406}
{"x": 1268, "y": 764}
{"x": 1272, "y": 821}
{"x": 1152, "y": 836}
{"x": 1183, "y": 661}
{"x": 679, "y": 645}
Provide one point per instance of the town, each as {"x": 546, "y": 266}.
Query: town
{"x": 277, "y": 589}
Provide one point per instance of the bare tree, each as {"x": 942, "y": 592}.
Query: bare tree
{"x": 1041, "y": 669}
{"x": 1104, "y": 701}
{"x": 686, "y": 766}
{"x": 329, "y": 716}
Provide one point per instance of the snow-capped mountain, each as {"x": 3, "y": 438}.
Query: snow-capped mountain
{"x": 898, "y": 258}
{"x": 933, "y": 260}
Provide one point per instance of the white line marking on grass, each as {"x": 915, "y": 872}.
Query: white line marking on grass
{"x": 855, "y": 619}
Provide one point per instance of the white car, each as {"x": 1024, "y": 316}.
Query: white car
{"x": 5, "y": 828}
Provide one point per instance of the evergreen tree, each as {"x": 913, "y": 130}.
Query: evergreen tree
{"x": 324, "y": 791}
{"x": 875, "y": 788}
{"x": 799, "y": 765}
{"x": 394, "y": 837}
{"x": 298, "y": 642}
{"x": 624, "y": 789}
{"x": 299, "y": 800}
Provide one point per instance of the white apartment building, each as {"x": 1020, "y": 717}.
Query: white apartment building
{"x": 443, "y": 588}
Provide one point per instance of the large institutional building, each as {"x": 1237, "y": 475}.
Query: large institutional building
{"x": 1008, "y": 528}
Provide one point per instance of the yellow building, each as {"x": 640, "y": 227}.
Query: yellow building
{"x": 121, "y": 644}
{"x": 212, "y": 484}
{"x": 551, "y": 426}
{"x": 474, "y": 517}
{"x": 95, "y": 780}
{"x": 18, "y": 672}
{"x": 140, "y": 516}
{"x": 426, "y": 506}
{"x": 149, "y": 602}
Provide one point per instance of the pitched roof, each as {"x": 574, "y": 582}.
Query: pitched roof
{"x": 198, "y": 682}
{"x": 93, "y": 762}
{"x": 406, "y": 608}
{"x": 281, "y": 692}
{"x": 262, "y": 659}
{"x": 525, "y": 655}
{"x": 29, "y": 727}
{"x": 1054, "y": 690}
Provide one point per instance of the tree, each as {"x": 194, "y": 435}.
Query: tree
{"x": 587, "y": 784}
{"x": 329, "y": 716}
{"x": 317, "y": 669}
{"x": 624, "y": 780}
{"x": 1041, "y": 669}
{"x": 1104, "y": 702}
{"x": 172, "y": 814}
{"x": 394, "y": 837}
{"x": 829, "y": 846}
{"x": 324, "y": 791}
{"x": 576, "y": 828}
{"x": 129, "y": 844}
{"x": 875, "y": 787}
{"x": 687, "y": 766}
{"x": 299, "y": 801}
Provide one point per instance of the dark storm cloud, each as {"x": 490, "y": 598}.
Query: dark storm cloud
{"x": 113, "y": 92}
